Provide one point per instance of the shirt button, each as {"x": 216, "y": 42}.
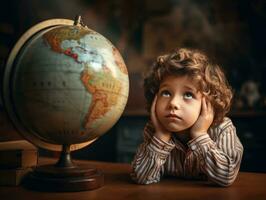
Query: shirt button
{"x": 193, "y": 147}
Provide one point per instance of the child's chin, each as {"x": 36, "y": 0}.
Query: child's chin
{"x": 175, "y": 129}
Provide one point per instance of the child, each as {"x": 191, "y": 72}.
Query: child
{"x": 188, "y": 135}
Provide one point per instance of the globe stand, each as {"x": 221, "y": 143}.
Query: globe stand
{"x": 43, "y": 93}
{"x": 64, "y": 176}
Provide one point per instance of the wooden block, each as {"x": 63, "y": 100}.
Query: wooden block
{"x": 7, "y": 131}
{"x": 16, "y": 144}
{"x": 13, "y": 177}
{"x": 17, "y": 154}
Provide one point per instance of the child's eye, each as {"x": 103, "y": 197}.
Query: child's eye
{"x": 165, "y": 93}
{"x": 188, "y": 95}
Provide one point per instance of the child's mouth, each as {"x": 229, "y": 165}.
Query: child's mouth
{"x": 173, "y": 116}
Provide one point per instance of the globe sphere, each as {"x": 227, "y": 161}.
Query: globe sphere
{"x": 64, "y": 84}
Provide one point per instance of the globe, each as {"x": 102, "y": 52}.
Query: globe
{"x": 64, "y": 85}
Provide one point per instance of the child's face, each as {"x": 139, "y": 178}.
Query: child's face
{"x": 178, "y": 103}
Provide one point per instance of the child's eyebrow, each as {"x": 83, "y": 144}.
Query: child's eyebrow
{"x": 190, "y": 88}
{"x": 164, "y": 85}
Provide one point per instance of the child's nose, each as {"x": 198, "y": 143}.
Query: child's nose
{"x": 174, "y": 103}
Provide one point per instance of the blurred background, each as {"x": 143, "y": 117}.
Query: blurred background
{"x": 231, "y": 32}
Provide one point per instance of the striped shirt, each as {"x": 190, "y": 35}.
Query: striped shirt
{"x": 215, "y": 156}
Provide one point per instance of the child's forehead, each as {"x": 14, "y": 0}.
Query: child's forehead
{"x": 179, "y": 78}
{"x": 172, "y": 80}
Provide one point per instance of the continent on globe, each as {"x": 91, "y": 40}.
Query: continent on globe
{"x": 56, "y": 36}
{"x": 118, "y": 60}
{"x": 104, "y": 89}
{"x": 96, "y": 77}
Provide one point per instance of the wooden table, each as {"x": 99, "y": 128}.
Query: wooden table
{"x": 118, "y": 185}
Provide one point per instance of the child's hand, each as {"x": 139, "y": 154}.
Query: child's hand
{"x": 160, "y": 131}
{"x": 204, "y": 120}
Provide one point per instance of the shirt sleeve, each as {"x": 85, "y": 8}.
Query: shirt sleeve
{"x": 148, "y": 163}
{"x": 219, "y": 160}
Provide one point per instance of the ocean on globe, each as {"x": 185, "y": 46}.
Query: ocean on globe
{"x": 68, "y": 85}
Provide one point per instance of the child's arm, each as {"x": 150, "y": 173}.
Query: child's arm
{"x": 219, "y": 158}
{"x": 148, "y": 164}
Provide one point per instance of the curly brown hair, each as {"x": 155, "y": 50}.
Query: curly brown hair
{"x": 208, "y": 78}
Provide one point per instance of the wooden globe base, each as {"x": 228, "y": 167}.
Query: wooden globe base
{"x": 64, "y": 176}
{"x": 57, "y": 179}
